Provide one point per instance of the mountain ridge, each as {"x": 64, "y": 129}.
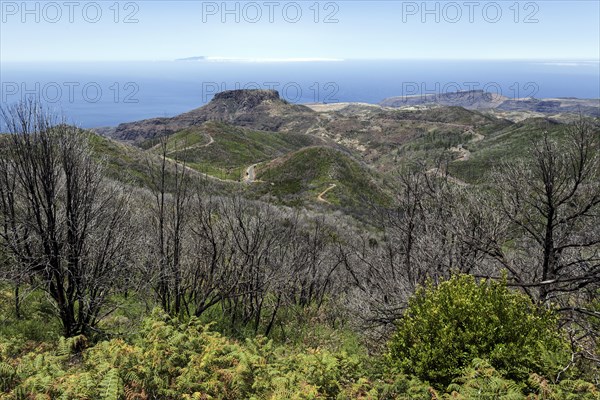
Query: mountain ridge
{"x": 482, "y": 100}
{"x": 265, "y": 110}
{"x": 254, "y": 109}
{"x": 242, "y": 129}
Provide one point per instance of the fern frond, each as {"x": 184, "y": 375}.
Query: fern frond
{"x": 111, "y": 385}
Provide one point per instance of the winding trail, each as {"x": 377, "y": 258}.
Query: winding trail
{"x": 187, "y": 168}
{"x": 195, "y": 146}
{"x": 250, "y": 174}
{"x": 195, "y": 171}
{"x": 324, "y": 192}
{"x": 465, "y": 154}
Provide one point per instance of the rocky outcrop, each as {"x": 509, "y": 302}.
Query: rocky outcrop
{"x": 471, "y": 100}
{"x": 254, "y": 109}
{"x": 553, "y": 106}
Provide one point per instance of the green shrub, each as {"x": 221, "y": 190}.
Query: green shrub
{"x": 171, "y": 360}
{"x": 38, "y": 321}
{"x": 446, "y": 327}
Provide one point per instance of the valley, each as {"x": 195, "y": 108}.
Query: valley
{"x": 256, "y": 143}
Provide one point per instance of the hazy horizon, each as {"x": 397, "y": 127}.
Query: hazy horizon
{"x": 160, "y": 30}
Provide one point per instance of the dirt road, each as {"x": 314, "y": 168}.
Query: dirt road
{"x": 250, "y": 175}
{"x": 324, "y": 192}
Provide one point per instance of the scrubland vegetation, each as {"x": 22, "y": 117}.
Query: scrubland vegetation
{"x": 154, "y": 286}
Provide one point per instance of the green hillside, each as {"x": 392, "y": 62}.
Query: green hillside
{"x": 305, "y": 174}
{"x": 225, "y": 151}
{"x": 511, "y": 143}
{"x": 133, "y": 166}
{"x": 123, "y": 162}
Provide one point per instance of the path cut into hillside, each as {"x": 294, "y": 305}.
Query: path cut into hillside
{"x": 195, "y": 146}
{"x": 250, "y": 174}
{"x": 196, "y": 172}
{"x": 324, "y": 192}
{"x": 465, "y": 154}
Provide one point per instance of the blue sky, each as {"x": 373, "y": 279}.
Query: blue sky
{"x": 166, "y": 30}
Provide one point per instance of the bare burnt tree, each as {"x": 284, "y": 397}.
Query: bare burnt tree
{"x": 538, "y": 220}
{"x": 313, "y": 261}
{"x": 552, "y": 202}
{"x": 253, "y": 259}
{"x": 216, "y": 270}
{"x": 233, "y": 243}
{"x": 63, "y": 224}
{"x": 387, "y": 265}
{"x": 170, "y": 186}
{"x": 423, "y": 236}
{"x": 257, "y": 236}
{"x": 9, "y": 271}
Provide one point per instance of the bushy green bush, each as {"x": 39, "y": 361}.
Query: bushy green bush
{"x": 447, "y": 326}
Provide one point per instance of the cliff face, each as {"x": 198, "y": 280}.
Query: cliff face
{"x": 254, "y": 109}
{"x": 471, "y": 100}
{"x": 589, "y": 107}
{"x": 246, "y": 98}
{"x": 481, "y": 100}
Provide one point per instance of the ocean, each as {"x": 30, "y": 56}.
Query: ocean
{"x": 108, "y": 93}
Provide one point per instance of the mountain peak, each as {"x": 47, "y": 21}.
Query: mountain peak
{"x": 246, "y": 98}
{"x": 256, "y": 109}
